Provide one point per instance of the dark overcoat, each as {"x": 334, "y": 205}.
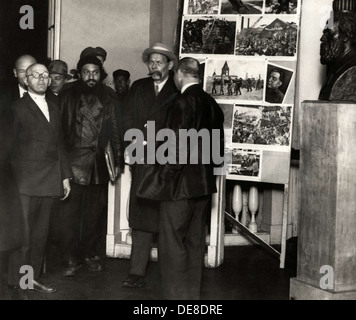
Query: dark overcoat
{"x": 38, "y": 159}
{"x": 143, "y": 106}
{"x": 194, "y": 109}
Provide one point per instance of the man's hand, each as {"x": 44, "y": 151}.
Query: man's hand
{"x": 66, "y": 187}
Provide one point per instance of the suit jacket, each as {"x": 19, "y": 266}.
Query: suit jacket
{"x": 38, "y": 160}
{"x": 194, "y": 109}
{"x": 143, "y": 106}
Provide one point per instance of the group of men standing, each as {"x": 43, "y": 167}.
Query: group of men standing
{"x": 57, "y": 151}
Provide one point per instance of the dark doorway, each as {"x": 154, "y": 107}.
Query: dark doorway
{"x": 15, "y": 41}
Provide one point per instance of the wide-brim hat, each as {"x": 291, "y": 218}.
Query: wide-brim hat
{"x": 59, "y": 67}
{"x": 161, "y": 49}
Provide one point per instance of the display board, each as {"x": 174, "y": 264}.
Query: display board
{"x": 249, "y": 52}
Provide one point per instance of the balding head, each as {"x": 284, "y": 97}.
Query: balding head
{"x": 21, "y": 65}
{"x": 37, "y": 78}
{"x": 187, "y": 72}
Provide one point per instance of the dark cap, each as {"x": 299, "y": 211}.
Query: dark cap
{"x": 59, "y": 67}
{"x": 121, "y": 72}
{"x": 88, "y": 60}
{"x": 90, "y": 51}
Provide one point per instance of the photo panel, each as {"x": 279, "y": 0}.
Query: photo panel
{"x": 201, "y": 7}
{"x": 265, "y": 127}
{"x": 246, "y": 165}
{"x": 211, "y": 35}
{"x": 235, "y": 79}
{"x": 282, "y": 6}
{"x": 241, "y": 6}
{"x": 278, "y": 82}
{"x": 267, "y": 35}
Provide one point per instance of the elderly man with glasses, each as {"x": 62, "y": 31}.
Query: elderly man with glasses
{"x": 41, "y": 172}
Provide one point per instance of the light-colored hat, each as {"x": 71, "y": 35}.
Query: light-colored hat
{"x": 161, "y": 49}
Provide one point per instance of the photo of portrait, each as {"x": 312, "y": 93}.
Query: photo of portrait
{"x": 202, "y": 7}
{"x": 262, "y": 125}
{"x": 245, "y": 163}
{"x": 277, "y": 83}
{"x": 267, "y": 36}
{"x": 208, "y": 35}
{"x": 241, "y": 6}
{"x": 281, "y": 6}
{"x": 234, "y": 79}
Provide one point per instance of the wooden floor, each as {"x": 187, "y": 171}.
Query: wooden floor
{"x": 248, "y": 273}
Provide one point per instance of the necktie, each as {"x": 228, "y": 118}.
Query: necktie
{"x": 156, "y": 90}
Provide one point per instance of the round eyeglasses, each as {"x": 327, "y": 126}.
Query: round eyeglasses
{"x": 37, "y": 75}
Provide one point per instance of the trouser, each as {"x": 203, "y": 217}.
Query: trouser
{"x": 79, "y": 218}
{"x": 36, "y": 216}
{"x": 140, "y": 251}
{"x": 181, "y": 247}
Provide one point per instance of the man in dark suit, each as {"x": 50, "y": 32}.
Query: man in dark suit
{"x": 148, "y": 99}
{"x": 40, "y": 169}
{"x": 184, "y": 187}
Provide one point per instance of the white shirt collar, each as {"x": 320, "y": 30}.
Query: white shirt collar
{"x": 22, "y": 91}
{"x": 41, "y": 102}
{"x": 161, "y": 85}
{"x": 185, "y": 87}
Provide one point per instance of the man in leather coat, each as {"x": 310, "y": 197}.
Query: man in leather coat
{"x": 89, "y": 123}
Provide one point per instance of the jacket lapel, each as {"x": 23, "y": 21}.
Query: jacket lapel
{"x": 36, "y": 111}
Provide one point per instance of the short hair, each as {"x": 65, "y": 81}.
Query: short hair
{"x": 189, "y": 66}
{"x": 280, "y": 72}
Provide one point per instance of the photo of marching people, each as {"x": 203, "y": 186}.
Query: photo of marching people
{"x": 267, "y": 36}
{"x": 262, "y": 125}
{"x": 282, "y": 6}
{"x": 207, "y": 35}
{"x": 245, "y": 163}
{"x": 241, "y": 7}
{"x": 202, "y": 7}
{"x": 235, "y": 79}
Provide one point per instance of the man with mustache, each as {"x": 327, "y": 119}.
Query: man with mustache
{"x": 148, "y": 100}
{"x": 338, "y": 53}
{"x": 89, "y": 122}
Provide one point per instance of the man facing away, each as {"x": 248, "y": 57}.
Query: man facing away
{"x": 184, "y": 188}
{"x": 148, "y": 99}
{"x": 89, "y": 123}
{"x": 40, "y": 169}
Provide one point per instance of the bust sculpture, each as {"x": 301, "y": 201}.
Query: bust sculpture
{"x": 338, "y": 53}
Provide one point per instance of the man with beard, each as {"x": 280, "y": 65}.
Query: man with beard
{"x": 89, "y": 123}
{"x": 338, "y": 53}
{"x": 149, "y": 99}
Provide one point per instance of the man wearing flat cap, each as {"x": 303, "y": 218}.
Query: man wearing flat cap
{"x": 149, "y": 98}
{"x": 122, "y": 85}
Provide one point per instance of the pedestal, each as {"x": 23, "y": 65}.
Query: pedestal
{"x": 327, "y": 222}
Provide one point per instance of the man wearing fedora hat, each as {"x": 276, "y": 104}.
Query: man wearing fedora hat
{"x": 58, "y": 71}
{"x": 149, "y": 98}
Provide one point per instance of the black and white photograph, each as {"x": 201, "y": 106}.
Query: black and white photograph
{"x": 202, "y": 7}
{"x": 246, "y": 163}
{"x": 235, "y": 79}
{"x": 228, "y": 110}
{"x": 241, "y": 6}
{"x": 278, "y": 82}
{"x": 208, "y": 35}
{"x": 262, "y": 125}
{"x": 282, "y": 6}
{"x": 267, "y": 35}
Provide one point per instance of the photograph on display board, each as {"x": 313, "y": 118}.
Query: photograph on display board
{"x": 201, "y": 7}
{"x": 241, "y": 6}
{"x": 277, "y": 83}
{"x": 267, "y": 36}
{"x": 228, "y": 110}
{"x": 235, "y": 79}
{"x": 246, "y": 164}
{"x": 208, "y": 35}
{"x": 262, "y": 125}
{"x": 281, "y": 6}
